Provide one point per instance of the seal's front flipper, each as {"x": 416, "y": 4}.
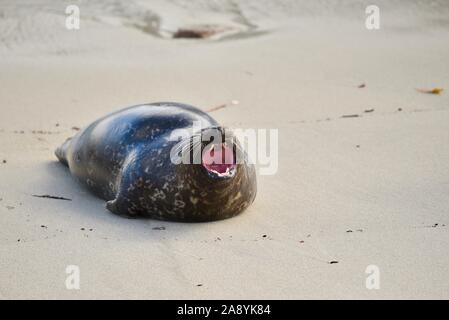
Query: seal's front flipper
{"x": 114, "y": 207}
{"x": 110, "y": 205}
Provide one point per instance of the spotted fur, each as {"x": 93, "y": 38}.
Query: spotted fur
{"x": 124, "y": 158}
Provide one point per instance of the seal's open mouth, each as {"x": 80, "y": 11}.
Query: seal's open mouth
{"x": 219, "y": 159}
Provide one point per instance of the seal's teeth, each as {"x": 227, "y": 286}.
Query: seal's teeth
{"x": 219, "y": 159}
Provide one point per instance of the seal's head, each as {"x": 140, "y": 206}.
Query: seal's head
{"x": 217, "y": 181}
{"x": 206, "y": 176}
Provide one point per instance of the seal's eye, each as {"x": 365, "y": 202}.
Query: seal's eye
{"x": 219, "y": 159}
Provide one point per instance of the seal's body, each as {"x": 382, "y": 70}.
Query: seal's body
{"x": 126, "y": 158}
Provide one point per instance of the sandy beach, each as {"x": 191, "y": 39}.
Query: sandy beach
{"x": 363, "y": 167}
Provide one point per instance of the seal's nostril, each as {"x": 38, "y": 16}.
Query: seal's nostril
{"x": 219, "y": 159}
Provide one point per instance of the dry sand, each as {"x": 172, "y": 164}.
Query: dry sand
{"x": 293, "y": 66}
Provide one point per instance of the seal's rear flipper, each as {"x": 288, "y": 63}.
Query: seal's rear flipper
{"x": 60, "y": 152}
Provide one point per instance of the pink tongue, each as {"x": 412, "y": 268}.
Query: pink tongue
{"x": 219, "y": 160}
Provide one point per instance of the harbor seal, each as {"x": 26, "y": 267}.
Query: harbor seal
{"x": 130, "y": 159}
